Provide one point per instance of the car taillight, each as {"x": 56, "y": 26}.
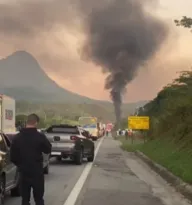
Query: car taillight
{"x": 74, "y": 138}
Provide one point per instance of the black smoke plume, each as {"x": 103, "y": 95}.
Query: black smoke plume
{"x": 121, "y": 37}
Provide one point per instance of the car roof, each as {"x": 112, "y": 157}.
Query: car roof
{"x": 64, "y": 126}
{"x": 11, "y": 133}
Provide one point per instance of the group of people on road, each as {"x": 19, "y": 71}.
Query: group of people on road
{"x": 127, "y": 133}
{"x": 26, "y": 153}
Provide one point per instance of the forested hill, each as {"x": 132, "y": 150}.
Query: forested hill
{"x": 171, "y": 111}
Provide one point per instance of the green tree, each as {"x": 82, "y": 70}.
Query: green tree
{"x": 20, "y": 120}
{"x": 124, "y": 123}
{"x": 171, "y": 111}
{"x": 184, "y": 22}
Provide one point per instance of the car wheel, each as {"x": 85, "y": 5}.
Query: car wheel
{"x": 2, "y": 190}
{"x": 91, "y": 157}
{"x": 46, "y": 169}
{"x": 79, "y": 157}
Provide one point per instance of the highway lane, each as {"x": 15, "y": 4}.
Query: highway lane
{"x": 58, "y": 184}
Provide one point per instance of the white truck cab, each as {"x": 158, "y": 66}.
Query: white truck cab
{"x": 7, "y": 123}
{"x": 7, "y": 114}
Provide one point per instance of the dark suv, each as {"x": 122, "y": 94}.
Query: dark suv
{"x": 9, "y": 176}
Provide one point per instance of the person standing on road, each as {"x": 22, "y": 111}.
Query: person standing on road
{"x": 26, "y": 153}
{"x": 126, "y": 134}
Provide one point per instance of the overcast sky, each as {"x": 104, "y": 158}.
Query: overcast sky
{"x": 58, "y": 54}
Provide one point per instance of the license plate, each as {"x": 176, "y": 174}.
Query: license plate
{"x": 56, "y": 153}
{"x": 61, "y": 145}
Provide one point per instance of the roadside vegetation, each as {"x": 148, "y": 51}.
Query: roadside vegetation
{"x": 67, "y": 111}
{"x": 45, "y": 122}
{"x": 72, "y": 111}
{"x": 59, "y": 113}
{"x": 169, "y": 140}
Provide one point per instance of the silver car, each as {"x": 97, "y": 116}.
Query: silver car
{"x": 70, "y": 142}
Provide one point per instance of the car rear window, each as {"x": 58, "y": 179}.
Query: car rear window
{"x": 67, "y": 130}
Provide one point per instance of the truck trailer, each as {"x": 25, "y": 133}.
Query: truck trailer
{"x": 7, "y": 114}
{"x": 7, "y": 123}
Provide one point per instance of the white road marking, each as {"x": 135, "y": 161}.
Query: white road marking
{"x": 72, "y": 198}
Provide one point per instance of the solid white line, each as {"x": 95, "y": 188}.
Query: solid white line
{"x": 72, "y": 198}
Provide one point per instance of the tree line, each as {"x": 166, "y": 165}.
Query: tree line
{"x": 171, "y": 111}
{"x": 45, "y": 121}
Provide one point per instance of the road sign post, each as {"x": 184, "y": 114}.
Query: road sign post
{"x": 138, "y": 123}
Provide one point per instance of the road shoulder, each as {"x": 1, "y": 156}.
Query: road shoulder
{"x": 179, "y": 185}
{"x": 159, "y": 186}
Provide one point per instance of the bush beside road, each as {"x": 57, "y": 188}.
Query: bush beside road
{"x": 48, "y": 121}
{"x": 169, "y": 141}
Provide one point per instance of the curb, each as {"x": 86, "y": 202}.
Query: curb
{"x": 184, "y": 188}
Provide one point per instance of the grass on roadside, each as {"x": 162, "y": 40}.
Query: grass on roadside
{"x": 166, "y": 153}
{"x": 129, "y": 145}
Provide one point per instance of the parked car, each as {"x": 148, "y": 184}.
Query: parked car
{"x": 9, "y": 175}
{"x": 70, "y": 142}
{"x": 11, "y": 135}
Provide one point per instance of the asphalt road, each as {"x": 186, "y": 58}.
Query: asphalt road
{"x": 59, "y": 183}
{"x": 114, "y": 178}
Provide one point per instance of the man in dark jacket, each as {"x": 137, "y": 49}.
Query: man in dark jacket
{"x": 26, "y": 153}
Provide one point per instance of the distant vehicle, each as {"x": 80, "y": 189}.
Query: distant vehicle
{"x": 91, "y": 125}
{"x": 10, "y": 137}
{"x": 70, "y": 142}
{"x": 9, "y": 175}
